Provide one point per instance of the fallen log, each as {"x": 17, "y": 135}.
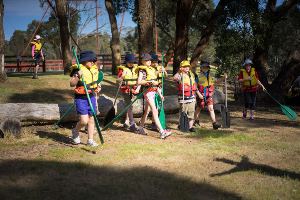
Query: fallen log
{"x": 52, "y": 112}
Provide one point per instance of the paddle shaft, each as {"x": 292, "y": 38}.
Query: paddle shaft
{"x": 121, "y": 113}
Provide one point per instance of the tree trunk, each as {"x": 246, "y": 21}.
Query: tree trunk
{"x": 182, "y": 32}
{"x": 115, "y": 39}
{"x": 290, "y": 70}
{"x": 3, "y": 76}
{"x": 61, "y": 11}
{"x": 207, "y": 32}
{"x": 145, "y": 27}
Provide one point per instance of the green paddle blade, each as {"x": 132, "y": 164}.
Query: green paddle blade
{"x": 162, "y": 117}
{"x": 100, "y": 77}
{"x": 292, "y": 115}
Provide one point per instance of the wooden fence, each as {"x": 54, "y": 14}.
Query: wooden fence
{"x": 26, "y": 63}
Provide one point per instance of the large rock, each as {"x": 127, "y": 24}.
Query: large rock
{"x": 53, "y": 112}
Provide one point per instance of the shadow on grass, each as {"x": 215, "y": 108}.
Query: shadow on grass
{"x": 260, "y": 122}
{"x": 49, "y": 95}
{"x": 209, "y": 133}
{"x": 33, "y": 179}
{"x": 246, "y": 165}
{"x": 61, "y": 139}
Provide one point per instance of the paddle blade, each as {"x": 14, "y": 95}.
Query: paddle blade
{"x": 184, "y": 122}
{"x": 111, "y": 114}
{"x": 292, "y": 115}
{"x": 225, "y": 117}
{"x": 162, "y": 118}
{"x": 100, "y": 77}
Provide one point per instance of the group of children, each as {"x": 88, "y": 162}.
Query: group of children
{"x": 195, "y": 91}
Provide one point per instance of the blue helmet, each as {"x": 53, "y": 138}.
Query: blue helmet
{"x": 146, "y": 57}
{"x": 87, "y": 56}
{"x": 130, "y": 58}
{"x": 155, "y": 57}
{"x": 247, "y": 62}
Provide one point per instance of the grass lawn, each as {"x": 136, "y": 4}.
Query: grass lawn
{"x": 257, "y": 159}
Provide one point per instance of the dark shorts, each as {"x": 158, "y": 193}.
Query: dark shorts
{"x": 37, "y": 58}
{"x": 201, "y": 102}
{"x": 250, "y": 100}
{"x": 83, "y": 107}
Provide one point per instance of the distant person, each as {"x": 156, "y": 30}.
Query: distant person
{"x": 37, "y": 54}
{"x": 90, "y": 73}
{"x": 248, "y": 77}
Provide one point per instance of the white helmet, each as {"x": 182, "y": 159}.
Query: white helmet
{"x": 37, "y": 37}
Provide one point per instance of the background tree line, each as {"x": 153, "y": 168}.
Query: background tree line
{"x": 266, "y": 31}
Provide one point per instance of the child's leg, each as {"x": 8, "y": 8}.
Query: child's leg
{"x": 145, "y": 114}
{"x": 130, "y": 116}
{"x": 155, "y": 113}
{"x": 91, "y": 127}
{"x": 246, "y": 104}
{"x": 84, "y": 119}
{"x": 197, "y": 113}
{"x": 212, "y": 113}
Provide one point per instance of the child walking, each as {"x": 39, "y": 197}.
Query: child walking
{"x": 206, "y": 81}
{"x": 250, "y": 84}
{"x": 148, "y": 78}
{"x": 187, "y": 89}
{"x": 155, "y": 62}
{"x": 37, "y": 54}
{"x": 127, "y": 75}
{"x": 90, "y": 75}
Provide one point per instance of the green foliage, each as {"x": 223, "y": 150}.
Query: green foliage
{"x": 17, "y": 43}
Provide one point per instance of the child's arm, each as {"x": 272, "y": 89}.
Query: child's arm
{"x": 199, "y": 94}
{"x": 159, "y": 92}
{"x": 141, "y": 81}
{"x": 177, "y": 77}
{"x": 75, "y": 78}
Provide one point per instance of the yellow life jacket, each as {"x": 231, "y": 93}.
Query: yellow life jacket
{"x": 150, "y": 71}
{"x": 38, "y": 46}
{"x": 90, "y": 77}
{"x": 206, "y": 81}
{"x": 253, "y": 82}
{"x": 131, "y": 74}
{"x": 159, "y": 67}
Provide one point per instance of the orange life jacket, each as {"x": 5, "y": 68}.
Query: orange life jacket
{"x": 189, "y": 85}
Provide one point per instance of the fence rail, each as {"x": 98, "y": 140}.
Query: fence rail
{"x": 14, "y": 63}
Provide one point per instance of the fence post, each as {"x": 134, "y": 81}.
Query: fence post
{"x": 18, "y": 63}
{"x": 44, "y": 64}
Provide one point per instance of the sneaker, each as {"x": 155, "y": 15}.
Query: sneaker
{"x": 125, "y": 125}
{"x": 165, "y": 133}
{"x": 216, "y": 125}
{"x": 75, "y": 136}
{"x": 153, "y": 127}
{"x": 141, "y": 131}
{"x": 192, "y": 130}
{"x": 133, "y": 128}
{"x": 244, "y": 114}
{"x": 92, "y": 143}
{"x": 197, "y": 123}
